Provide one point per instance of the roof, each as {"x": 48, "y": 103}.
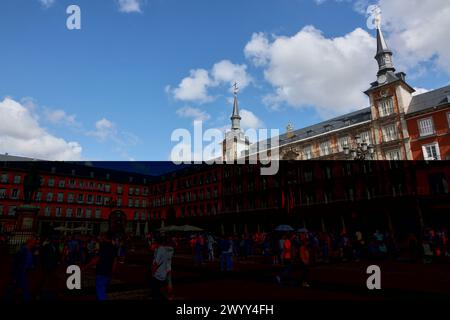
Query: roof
{"x": 340, "y": 122}
{"x": 429, "y": 99}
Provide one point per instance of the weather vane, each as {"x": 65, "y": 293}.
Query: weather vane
{"x": 374, "y": 17}
{"x": 235, "y": 88}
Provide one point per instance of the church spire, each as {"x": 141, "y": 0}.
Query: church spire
{"x": 384, "y": 54}
{"x": 235, "y": 117}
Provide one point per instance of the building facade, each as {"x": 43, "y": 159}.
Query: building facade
{"x": 398, "y": 125}
{"x": 74, "y": 196}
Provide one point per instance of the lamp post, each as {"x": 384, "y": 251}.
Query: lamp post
{"x": 360, "y": 149}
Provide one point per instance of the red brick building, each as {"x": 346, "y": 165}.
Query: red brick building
{"x": 74, "y": 195}
{"x": 429, "y": 125}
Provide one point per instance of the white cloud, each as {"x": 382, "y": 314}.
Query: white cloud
{"x": 60, "y": 117}
{"x": 310, "y": 70}
{"x": 194, "y": 113}
{"x": 229, "y": 73}
{"x": 47, "y": 3}
{"x": 418, "y": 31}
{"x": 194, "y": 88}
{"x": 250, "y": 120}
{"x": 104, "y": 129}
{"x": 21, "y": 134}
{"x": 129, "y": 6}
{"x": 420, "y": 91}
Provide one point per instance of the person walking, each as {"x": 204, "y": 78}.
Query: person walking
{"x": 226, "y": 254}
{"x": 286, "y": 275}
{"x": 162, "y": 269}
{"x": 105, "y": 263}
{"x": 20, "y": 272}
{"x": 304, "y": 263}
{"x": 210, "y": 244}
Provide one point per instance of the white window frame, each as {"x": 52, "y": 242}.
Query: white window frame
{"x": 386, "y": 107}
{"x": 390, "y": 152}
{"x": 425, "y": 151}
{"x": 343, "y": 142}
{"x": 325, "y": 151}
{"x": 429, "y": 127}
{"x": 366, "y": 137}
{"x": 393, "y": 134}
{"x": 307, "y": 152}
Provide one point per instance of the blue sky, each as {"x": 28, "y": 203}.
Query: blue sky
{"x": 113, "y": 90}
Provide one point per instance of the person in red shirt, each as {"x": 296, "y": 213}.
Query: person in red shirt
{"x": 286, "y": 275}
{"x": 304, "y": 263}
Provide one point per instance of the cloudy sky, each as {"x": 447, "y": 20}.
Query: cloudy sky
{"x": 139, "y": 69}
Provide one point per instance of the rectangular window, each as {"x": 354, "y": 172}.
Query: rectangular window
{"x": 386, "y": 107}
{"x": 130, "y": 191}
{"x": 366, "y": 137}
{"x": 119, "y": 189}
{"x": 51, "y": 182}
{"x": 307, "y": 153}
{"x": 1, "y": 209}
{"x": 58, "y": 212}
{"x": 90, "y": 198}
{"x": 15, "y": 194}
{"x": 47, "y": 211}
{"x": 393, "y": 155}
{"x": 137, "y": 191}
{"x": 50, "y": 197}
{"x": 17, "y": 179}
{"x": 38, "y": 196}
{"x": 98, "y": 200}
{"x": 80, "y": 198}
{"x": 79, "y": 212}
{"x": 107, "y": 188}
{"x": 60, "y": 197}
{"x": 62, "y": 183}
{"x": 4, "y": 178}
{"x": 448, "y": 119}
{"x": 69, "y": 212}
{"x": 98, "y": 213}
{"x": 70, "y": 198}
{"x": 325, "y": 148}
{"x": 88, "y": 213}
{"x": 12, "y": 211}
{"x": 390, "y": 133}
{"x": 426, "y": 127}
{"x": 136, "y": 203}
{"x": 2, "y": 193}
{"x": 106, "y": 201}
{"x": 431, "y": 152}
{"x": 342, "y": 142}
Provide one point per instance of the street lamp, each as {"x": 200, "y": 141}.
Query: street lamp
{"x": 360, "y": 150}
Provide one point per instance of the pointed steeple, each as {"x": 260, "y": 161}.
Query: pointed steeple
{"x": 235, "y": 117}
{"x": 384, "y": 54}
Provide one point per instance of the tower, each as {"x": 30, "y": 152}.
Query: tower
{"x": 390, "y": 97}
{"x": 235, "y": 143}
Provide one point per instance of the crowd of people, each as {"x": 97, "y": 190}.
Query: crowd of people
{"x": 289, "y": 251}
